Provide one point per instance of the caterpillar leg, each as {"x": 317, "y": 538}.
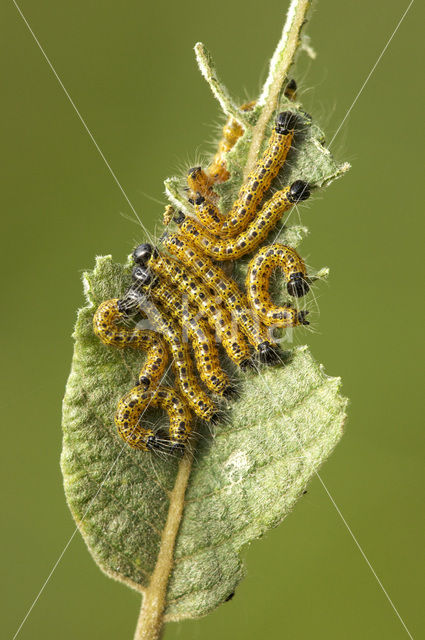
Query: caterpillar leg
{"x": 255, "y": 186}
{"x": 132, "y": 406}
{"x": 106, "y": 327}
{"x": 186, "y": 381}
{"x": 235, "y": 302}
{"x": 201, "y": 296}
{"x": 188, "y": 317}
{"x": 257, "y": 231}
{"x": 260, "y": 270}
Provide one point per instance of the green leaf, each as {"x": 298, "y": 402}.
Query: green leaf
{"x": 173, "y": 528}
{"x": 245, "y": 477}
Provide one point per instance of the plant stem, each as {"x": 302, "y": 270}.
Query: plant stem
{"x": 279, "y": 65}
{"x": 220, "y": 92}
{"x": 150, "y": 623}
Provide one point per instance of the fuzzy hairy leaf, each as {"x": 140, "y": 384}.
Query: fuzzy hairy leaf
{"x": 246, "y": 475}
{"x": 245, "y": 478}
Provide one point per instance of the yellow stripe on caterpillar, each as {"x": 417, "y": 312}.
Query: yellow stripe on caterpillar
{"x": 260, "y": 270}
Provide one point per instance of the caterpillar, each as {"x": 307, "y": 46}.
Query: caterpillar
{"x": 214, "y": 300}
{"x": 227, "y": 289}
{"x": 185, "y": 378}
{"x": 105, "y": 325}
{"x": 204, "y": 347}
{"x": 254, "y": 187}
{"x": 133, "y": 404}
{"x": 200, "y": 182}
{"x": 256, "y": 232}
{"x": 219, "y": 318}
{"x": 260, "y": 270}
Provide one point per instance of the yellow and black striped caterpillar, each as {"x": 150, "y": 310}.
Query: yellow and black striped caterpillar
{"x": 164, "y": 325}
{"x": 201, "y": 297}
{"x": 147, "y": 392}
{"x": 187, "y": 318}
{"x": 253, "y": 189}
{"x": 254, "y": 233}
{"x": 131, "y": 408}
{"x": 185, "y": 294}
{"x": 260, "y": 270}
{"x": 200, "y": 182}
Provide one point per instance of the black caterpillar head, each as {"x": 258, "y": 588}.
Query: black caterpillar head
{"x": 298, "y": 191}
{"x": 143, "y": 253}
{"x": 297, "y": 285}
{"x": 286, "y": 122}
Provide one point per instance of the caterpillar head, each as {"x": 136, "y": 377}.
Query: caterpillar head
{"x": 298, "y": 191}
{"x": 143, "y": 253}
{"x": 286, "y": 122}
{"x": 297, "y": 285}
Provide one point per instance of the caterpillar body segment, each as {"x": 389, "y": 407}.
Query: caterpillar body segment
{"x": 186, "y": 380}
{"x": 286, "y": 258}
{"x": 209, "y": 214}
{"x": 131, "y": 408}
{"x": 178, "y": 413}
{"x": 204, "y": 346}
{"x": 106, "y": 327}
{"x": 191, "y": 321}
{"x": 257, "y": 231}
{"x": 260, "y": 270}
{"x": 200, "y": 295}
{"x": 227, "y": 289}
{"x": 232, "y": 131}
{"x": 256, "y": 184}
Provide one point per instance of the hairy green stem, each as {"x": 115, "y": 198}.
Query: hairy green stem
{"x": 282, "y": 59}
{"x": 220, "y": 92}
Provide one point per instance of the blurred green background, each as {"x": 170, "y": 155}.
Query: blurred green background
{"x": 130, "y": 69}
